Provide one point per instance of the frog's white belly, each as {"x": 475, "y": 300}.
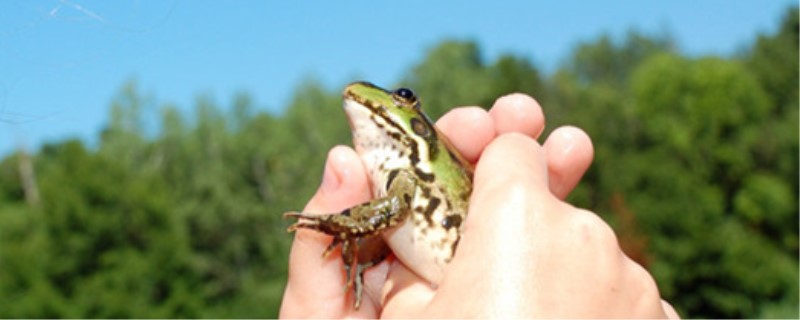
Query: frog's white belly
{"x": 421, "y": 242}
{"x": 418, "y": 252}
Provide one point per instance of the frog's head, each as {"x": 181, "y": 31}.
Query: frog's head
{"x": 388, "y": 120}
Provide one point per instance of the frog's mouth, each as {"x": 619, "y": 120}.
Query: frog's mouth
{"x": 354, "y": 110}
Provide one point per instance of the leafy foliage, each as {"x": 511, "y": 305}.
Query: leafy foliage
{"x": 179, "y": 215}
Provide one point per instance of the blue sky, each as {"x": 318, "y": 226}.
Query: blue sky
{"x": 61, "y": 62}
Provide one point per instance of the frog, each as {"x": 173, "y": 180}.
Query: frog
{"x": 420, "y": 184}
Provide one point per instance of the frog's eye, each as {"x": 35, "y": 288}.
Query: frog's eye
{"x": 405, "y": 93}
{"x": 405, "y": 96}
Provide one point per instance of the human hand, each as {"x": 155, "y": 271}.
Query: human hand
{"x": 520, "y": 254}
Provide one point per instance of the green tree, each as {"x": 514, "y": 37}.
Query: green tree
{"x": 694, "y": 166}
{"x": 610, "y": 62}
{"x": 701, "y": 124}
{"x": 454, "y": 73}
{"x": 433, "y": 79}
{"x": 104, "y": 246}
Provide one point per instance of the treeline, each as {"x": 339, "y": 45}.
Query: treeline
{"x": 172, "y": 214}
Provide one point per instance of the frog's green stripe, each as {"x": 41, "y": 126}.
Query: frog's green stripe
{"x": 400, "y": 134}
{"x": 414, "y": 158}
{"x": 382, "y": 113}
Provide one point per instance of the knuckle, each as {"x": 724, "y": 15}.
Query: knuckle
{"x": 646, "y": 289}
{"x": 592, "y": 229}
{"x": 647, "y": 284}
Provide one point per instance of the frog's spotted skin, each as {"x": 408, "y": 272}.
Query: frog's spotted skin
{"x": 420, "y": 183}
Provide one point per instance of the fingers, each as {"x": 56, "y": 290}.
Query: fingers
{"x": 569, "y": 150}
{"x": 470, "y": 129}
{"x": 518, "y": 113}
{"x": 312, "y": 285}
{"x": 569, "y": 153}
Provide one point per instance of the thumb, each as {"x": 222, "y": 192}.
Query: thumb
{"x": 314, "y": 287}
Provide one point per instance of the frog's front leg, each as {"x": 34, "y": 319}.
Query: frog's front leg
{"x": 361, "y": 220}
{"x": 358, "y": 228}
{"x": 364, "y": 219}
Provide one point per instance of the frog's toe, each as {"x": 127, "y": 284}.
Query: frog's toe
{"x": 329, "y": 249}
{"x": 298, "y": 225}
{"x": 296, "y": 214}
